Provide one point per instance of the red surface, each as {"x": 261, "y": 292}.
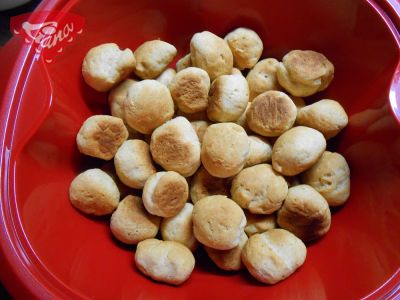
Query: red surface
{"x": 49, "y": 250}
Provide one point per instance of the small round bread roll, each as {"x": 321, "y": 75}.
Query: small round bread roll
{"x": 260, "y": 151}
{"x": 246, "y": 47}
{"x": 330, "y": 176}
{"x": 211, "y": 53}
{"x": 224, "y": 149}
{"x": 131, "y": 223}
{"x": 183, "y": 63}
{"x": 166, "y": 77}
{"x": 305, "y": 213}
{"x": 327, "y": 116}
{"x": 165, "y": 194}
{"x": 303, "y": 73}
{"x": 190, "y": 88}
{"x": 106, "y": 65}
{"x": 271, "y": 113}
{"x": 148, "y": 105}
{"x": 94, "y": 192}
{"x": 229, "y": 260}
{"x": 262, "y": 77}
{"x": 273, "y": 255}
{"x": 211, "y": 225}
{"x": 259, "y": 189}
{"x": 117, "y": 96}
{"x": 229, "y": 95}
{"x": 259, "y": 223}
{"x": 297, "y": 149}
{"x": 152, "y": 58}
{"x": 133, "y": 163}
{"x": 200, "y": 127}
{"x": 176, "y": 147}
{"x": 100, "y": 136}
{"x": 164, "y": 261}
{"x": 204, "y": 185}
{"x": 180, "y": 228}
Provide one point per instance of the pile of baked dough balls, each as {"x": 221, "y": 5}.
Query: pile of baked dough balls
{"x": 222, "y": 152}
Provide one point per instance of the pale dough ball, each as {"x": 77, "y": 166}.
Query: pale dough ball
{"x": 229, "y": 260}
{"x": 211, "y": 225}
{"x": 260, "y": 151}
{"x": 297, "y": 149}
{"x": 164, "y": 261}
{"x": 273, "y": 255}
{"x": 176, "y": 147}
{"x": 229, "y": 95}
{"x": 94, "y": 192}
{"x": 330, "y": 176}
{"x": 326, "y": 116}
{"x": 305, "y": 213}
{"x": 166, "y": 77}
{"x": 262, "y": 77}
{"x": 271, "y": 114}
{"x": 211, "y": 53}
{"x": 259, "y": 223}
{"x": 133, "y": 163}
{"x": 183, "y": 63}
{"x": 106, "y": 65}
{"x": 165, "y": 194}
{"x": 203, "y": 185}
{"x": 224, "y": 149}
{"x": 259, "y": 189}
{"x": 100, "y": 136}
{"x": 179, "y": 228}
{"x": 148, "y": 105}
{"x": 190, "y": 88}
{"x": 200, "y": 127}
{"x": 131, "y": 223}
{"x": 152, "y": 58}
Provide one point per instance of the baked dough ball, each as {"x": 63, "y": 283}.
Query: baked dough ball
{"x": 260, "y": 151}
{"x": 106, "y": 65}
{"x": 165, "y": 194}
{"x": 204, "y": 185}
{"x": 148, "y": 105}
{"x": 224, "y": 149}
{"x": 152, "y": 58}
{"x": 176, "y": 147}
{"x": 166, "y": 77}
{"x": 229, "y": 95}
{"x": 211, "y": 53}
{"x": 259, "y": 189}
{"x": 305, "y": 213}
{"x": 198, "y": 116}
{"x": 164, "y": 261}
{"x": 330, "y": 176}
{"x": 179, "y": 228}
{"x": 131, "y": 223}
{"x": 133, "y": 163}
{"x": 246, "y": 47}
{"x": 200, "y": 127}
{"x": 213, "y": 228}
{"x": 229, "y": 260}
{"x": 303, "y": 73}
{"x": 262, "y": 77}
{"x": 297, "y": 149}
{"x": 94, "y": 192}
{"x": 190, "y": 88}
{"x": 259, "y": 223}
{"x": 327, "y": 116}
{"x": 100, "y": 136}
{"x": 117, "y": 96}
{"x": 273, "y": 255}
{"x": 183, "y": 63}
{"x": 271, "y": 113}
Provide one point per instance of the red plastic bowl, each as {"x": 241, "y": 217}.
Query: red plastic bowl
{"x": 49, "y": 250}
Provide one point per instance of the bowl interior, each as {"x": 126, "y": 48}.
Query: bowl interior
{"x": 74, "y": 255}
